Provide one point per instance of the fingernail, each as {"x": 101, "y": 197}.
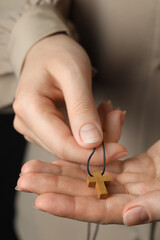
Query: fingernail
{"x": 134, "y": 216}
{"x": 119, "y": 156}
{"x": 89, "y": 133}
{"x": 123, "y": 115}
{"x": 17, "y": 189}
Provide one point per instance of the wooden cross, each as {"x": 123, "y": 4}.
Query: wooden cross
{"x": 100, "y": 182}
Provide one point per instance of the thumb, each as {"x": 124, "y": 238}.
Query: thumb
{"x": 143, "y": 209}
{"x": 82, "y": 112}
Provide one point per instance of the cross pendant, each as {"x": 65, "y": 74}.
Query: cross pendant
{"x": 99, "y": 181}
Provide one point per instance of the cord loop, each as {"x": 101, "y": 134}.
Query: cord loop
{"x": 104, "y": 160}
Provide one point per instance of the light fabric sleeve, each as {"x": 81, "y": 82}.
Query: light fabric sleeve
{"x": 35, "y": 20}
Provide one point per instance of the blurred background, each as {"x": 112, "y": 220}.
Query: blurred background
{"x": 29, "y": 223}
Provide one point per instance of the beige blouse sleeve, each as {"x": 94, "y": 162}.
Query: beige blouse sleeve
{"x": 35, "y": 20}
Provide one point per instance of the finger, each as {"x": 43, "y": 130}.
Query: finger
{"x": 46, "y": 123}
{"x": 87, "y": 209}
{"x": 115, "y": 166}
{"x": 113, "y": 126}
{"x": 114, "y": 151}
{"x": 41, "y": 183}
{"x": 76, "y": 165}
{"x": 103, "y": 109}
{"x": 82, "y": 112}
{"x": 114, "y": 186}
{"x": 56, "y": 169}
{"x": 22, "y": 128}
{"x": 141, "y": 188}
{"x": 112, "y": 121}
{"x": 48, "y": 126}
{"x": 60, "y": 140}
{"x": 143, "y": 209}
{"x": 133, "y": 178}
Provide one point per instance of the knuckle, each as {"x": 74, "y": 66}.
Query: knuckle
{"x": 17, "y": 106}
{"x": 26, "y": 180}
{"x": 23, "y": 104}
{"x": 64, "y": 152}
{"x": 81, "y": 108}
{"x": 30, "y": 166}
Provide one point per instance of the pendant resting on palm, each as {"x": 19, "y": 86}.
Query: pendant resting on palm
{"x": 98, "y": 180}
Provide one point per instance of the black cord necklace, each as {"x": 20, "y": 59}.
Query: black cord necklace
{"x": 104, "y": 160}
{"x": 89, "y": 232}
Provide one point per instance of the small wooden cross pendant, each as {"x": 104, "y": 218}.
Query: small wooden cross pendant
{"x": 100, "y": 182}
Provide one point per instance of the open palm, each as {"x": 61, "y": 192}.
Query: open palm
{"x": 63, "y": 191}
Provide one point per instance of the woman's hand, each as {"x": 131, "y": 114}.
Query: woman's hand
{"x": 134, "y": 191}
{"x": 57, "y": 71}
